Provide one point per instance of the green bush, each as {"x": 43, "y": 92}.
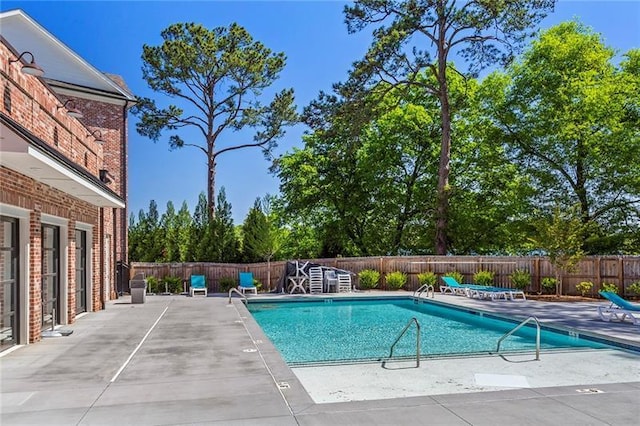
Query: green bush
{"x": 456, "y": 276}
{"x": 549, "y": 284}
{"x": 483, "y": 278}
{"x": 634, "y": 288}
{"x": 174, "y": 284}
{"x": 609, "y": 287}
{"x": 395, "y": 280}
{"x": 584, "y": 287}
{"x": 226, "y": 283}
{"x": 368, "y": 279}
{"x": 520, "y": 279}
{"x": 428, "y": 278}
{"x": 152, "y": 285}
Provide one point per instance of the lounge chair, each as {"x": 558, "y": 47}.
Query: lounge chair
{"x": 452, "y": 286}
{"x": 344, "y": 283}
{"x": 246, "y": 283}
{"x": 198, "y": 284}
{"x": 315, "y": 280}
{"x": 481, "y": 291}
{"x": 619, "y": 309}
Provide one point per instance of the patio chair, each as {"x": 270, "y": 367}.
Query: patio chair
{"x": 246, "y": 283}
{"x": 481, "y": 291}
{"x": 619, "y": 309}
{"x": 344, "y": 283}
{"x": 331, "y": 280}
{"x": 198, "y": 284}
{"x": 315, "y": 280}
{"x": 454, "y": 287}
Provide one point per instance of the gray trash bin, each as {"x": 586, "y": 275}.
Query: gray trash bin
{"x": 138, "y": 286}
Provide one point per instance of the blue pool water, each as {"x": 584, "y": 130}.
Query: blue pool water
{"x": 359, "y": 330}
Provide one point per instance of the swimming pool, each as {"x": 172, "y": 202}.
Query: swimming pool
{"x": 357, "y": 330}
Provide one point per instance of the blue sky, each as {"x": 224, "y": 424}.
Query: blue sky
{"x": 312, "y": 34}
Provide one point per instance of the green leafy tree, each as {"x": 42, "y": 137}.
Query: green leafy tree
{"x": 148, "y": 242}
{"x": 262, "y": 238}
{"x": 223, "y": 244}
{"x": 481, "y": 32}
{"x": 135, "y": 238}
{"x": 254, "y": 233}
{"x": 560, "y": 237}
{"x": 300, "y": 240}
{"x": 168, "y": 233}
{"x": 570, "y": 120}
{"x": 183, "y": 223}
{"x": 218, "y": 77}
{"x": 363, "y": 175}
{"x": 199, "y": 230}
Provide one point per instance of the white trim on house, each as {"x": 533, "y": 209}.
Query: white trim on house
{"x": 19, "y": 155}
{"x": 89, "y": 271}
{"x": 57, "y": 60}
{"x": 24, "y": 271}
{"x": 63, "y": 250}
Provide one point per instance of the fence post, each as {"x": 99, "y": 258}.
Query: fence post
{"x": 621, "y": 273}
{"x": 536, "y": 275}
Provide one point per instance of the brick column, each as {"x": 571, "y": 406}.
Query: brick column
{"x": 71, "y": 273}
{"x": 95, "y": 268}
{"x": 35, "y": 282}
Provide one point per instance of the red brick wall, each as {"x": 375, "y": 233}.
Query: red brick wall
{"x": 111, "y": 121}
{"x": 37, "y": 108}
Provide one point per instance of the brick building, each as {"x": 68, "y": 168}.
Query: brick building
{"x": 63, "y": 182}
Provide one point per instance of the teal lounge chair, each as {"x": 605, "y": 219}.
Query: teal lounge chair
{"x": 481, "y": 291}
{"x": 246, "y": 283}
{"x": 198, "y": 284}
{"x": 454, "y": 287}
{"x": 619, "y": 309}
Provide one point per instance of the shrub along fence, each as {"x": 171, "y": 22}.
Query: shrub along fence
{"x": 621, "y": 271}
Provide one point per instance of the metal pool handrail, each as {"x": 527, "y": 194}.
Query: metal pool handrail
{"x": 235, "y": 290}
{"x": 425, "y": 287}
{"x": 518, "y": 327}
{"x": 404, "y": 330}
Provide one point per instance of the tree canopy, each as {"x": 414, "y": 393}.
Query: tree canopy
{"x": 544, "y": 161}
{"x": 217, "y": 78}
{"x": 414, "y": 36}
{"x": 568, "y": 117}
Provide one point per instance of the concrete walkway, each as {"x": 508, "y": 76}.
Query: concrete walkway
{"x": 181, "y": 360}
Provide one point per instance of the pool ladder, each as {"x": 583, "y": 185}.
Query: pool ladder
{"x": 404, "y": 330}
{"x": 235, "y": 290}
{"x": 425, "y": 287}
{"x": 518, "y": 327}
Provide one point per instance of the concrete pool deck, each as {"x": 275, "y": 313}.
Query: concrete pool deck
{"x": 182, "y": 360}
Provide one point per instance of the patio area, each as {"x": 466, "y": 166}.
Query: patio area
{"x": 182, "y": 360}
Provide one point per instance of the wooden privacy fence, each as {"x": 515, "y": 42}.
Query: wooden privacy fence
{"x": 618, "y": 270}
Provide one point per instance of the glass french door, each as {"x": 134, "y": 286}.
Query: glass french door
{"x": 8, "y": 282}
{"x": 50, "y": 276}
{"x": 81, "y": 271}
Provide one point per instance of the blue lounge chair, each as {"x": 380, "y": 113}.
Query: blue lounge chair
{"x": 246, "y": 283}
{"x": 452, "y": 286}
{"x": 619, "y": 309}
{"x": 198, "y": 284}
{"x": 481, "y": 291}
